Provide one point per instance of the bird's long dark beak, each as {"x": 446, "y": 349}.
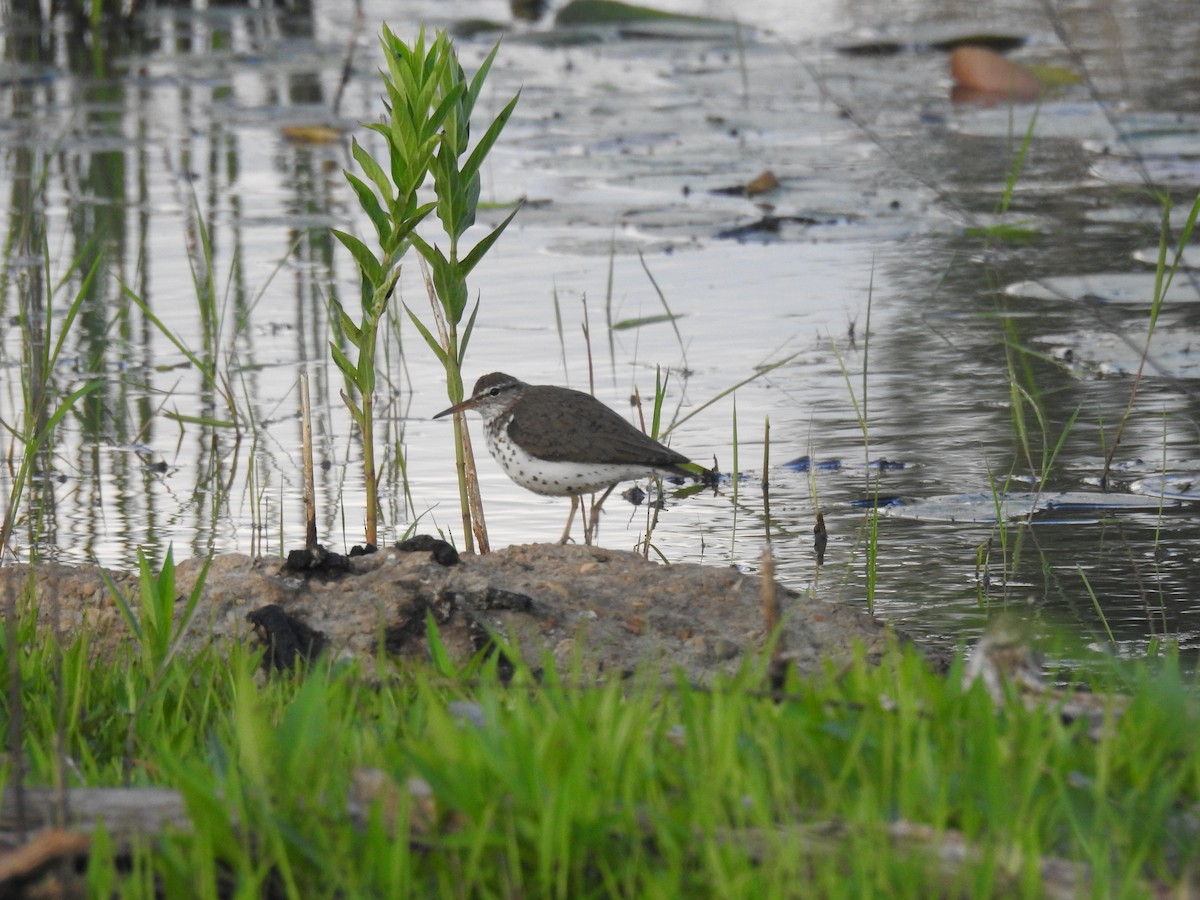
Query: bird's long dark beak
{"x": 469, "y": 403}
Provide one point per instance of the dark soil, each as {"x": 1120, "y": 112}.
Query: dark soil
{"x": 615, "y": 609}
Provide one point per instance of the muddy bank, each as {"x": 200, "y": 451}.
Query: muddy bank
{"x": 615, "y": 608}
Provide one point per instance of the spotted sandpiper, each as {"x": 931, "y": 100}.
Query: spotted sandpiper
{"x": 561, "y": 442}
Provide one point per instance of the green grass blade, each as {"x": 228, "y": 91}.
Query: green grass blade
{"x": 367, "y": 263}
{"x": 436, "y": 347}
{"x": 471, "y": 167}
{"x": 485, "y": 244}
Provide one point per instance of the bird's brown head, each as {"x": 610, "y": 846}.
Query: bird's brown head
{"x": 492, "y": 393}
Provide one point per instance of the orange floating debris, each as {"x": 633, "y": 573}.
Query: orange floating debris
{"x": 980, "y": 73}
{"x": 763, "y": 184}
{"x": 312, "y": 134}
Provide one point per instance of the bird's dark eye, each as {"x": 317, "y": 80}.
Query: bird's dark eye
{"x": 495, "y": 392}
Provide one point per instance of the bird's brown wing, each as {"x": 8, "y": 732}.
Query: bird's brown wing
{"x": 579, "y": 428}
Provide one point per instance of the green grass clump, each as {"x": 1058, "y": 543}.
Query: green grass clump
{"x": 886, "y": 780}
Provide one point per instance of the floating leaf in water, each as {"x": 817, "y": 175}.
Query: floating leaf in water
{"x": 529, "y": 10}
{"x": 763, "y": 184}
{"x": 206, "y": 421}
{"x": 312, "y": 134}
{"x": 1180, "y": 486}
{"x": 917, "y": 41}
{"x": 1175, "y": 352}
{"x": 878, "y": 502}
{"x": 513, "y": 204}
{"x": 1000, "y": 43}
{"x": 1103, "y": 287}
{"x": 1007, "y": 234}
{"x": 1054, "y": 76}
{"x": 626, "y": 324}
{"x": 980, "y": 73}
{"x": 805, "y": 463}
{"x": 1095, "y": 500}
{"x": 963, "y": 508}
{"x": 872, "y": 48}
{"x": 769, "y": 227}
{"x": 472, "y": 29}
{"x": 613, "y": 12}
{"x": 642, "y": 21}
{"x": 1188, "y": 259}
{"x": 983, "y": 507}
{"x": 1172, "y": 136}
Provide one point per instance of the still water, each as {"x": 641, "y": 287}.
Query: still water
{"x": 925, "y": 362}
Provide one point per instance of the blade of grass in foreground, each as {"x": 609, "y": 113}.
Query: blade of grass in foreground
{"x": 851, "y": 778}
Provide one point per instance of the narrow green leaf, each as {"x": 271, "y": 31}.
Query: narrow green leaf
{"x": 438, "y": 655}
{"x": 430, "y": 252}
{"x": 451, "y": 289}
{"x": 348, "y": 369}
{"x": 203, "y": 421}
{"x": 161, "y": 600}
{"x": 84, "y": 292}
{"x": 349, "y": 327}
{"x": 1011, "y": 234}
{"x": 449, "y": 102}
{"x": 374, "y": 171}
{"x": 380, "y": 297}
{"x": 167, "y": 333}
{"x": 190, "y": 606}
{"x": 64, "y": 406}
{"x": 367, "y": 263}
{"x": 365, "y": 380}
{"x": 404, "y": 229}
{"x": 466, "y": 335}
{"x": 356, "y": 412}
{"x": 122, "y": 605}
{"x": 472, "y": 94}
{"x": 477, "y": 252}
{"x": 370, "y": 204}
{"x": 475, "y": 160}
{"x": 627, "y": 324}
{"x": 429, "y": 338}
{"x": 452, "y": 207}
{"x": 660, "y": 394}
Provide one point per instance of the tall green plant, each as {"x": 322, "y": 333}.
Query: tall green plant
{"x": 426, "y": 130}
{"x": 46, "y": 404}
{"x": 456, "y": 182}
{"x": 416, "y": 113}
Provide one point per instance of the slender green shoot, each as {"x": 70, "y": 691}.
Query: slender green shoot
{"x": 1164, "y": 274}
{"x": 660, "y": 394}
{"x": 766, "y": 463}
{"x": 558, "y": 326}
{"x": 156, "y": 632}
{"x": 871, "y": 522}
{"x": 668, "y": 315}
{"x": 44, "y": 406}
{"x": 734, "y": 477}
{"x": 1018, "y": 166}
{"x": 759, "y": 372}
{"x": 412, "y": 132}
{"x": 455, "y": 167}
{"x": 154, "y": 625}
{"x": 1096, "y": 605}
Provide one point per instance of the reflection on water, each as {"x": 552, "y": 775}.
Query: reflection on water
{"x": 152, "y": 181}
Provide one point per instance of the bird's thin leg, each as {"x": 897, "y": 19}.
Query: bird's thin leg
{"x": 571, "y": 518}
{"x": 594, "y": 520}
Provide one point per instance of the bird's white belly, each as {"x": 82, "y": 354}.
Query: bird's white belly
{"x": 558, "y": 479}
